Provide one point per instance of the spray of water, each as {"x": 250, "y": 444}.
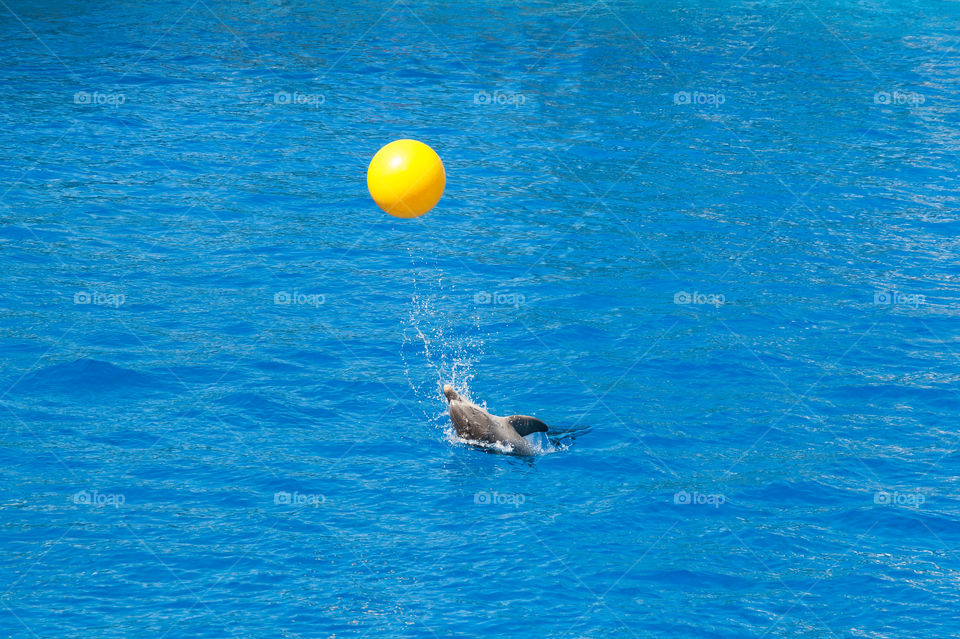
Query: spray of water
{"x": 441, "y": 340}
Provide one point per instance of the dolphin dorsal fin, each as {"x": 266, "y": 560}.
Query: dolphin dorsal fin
{"x": 526, "y": 425}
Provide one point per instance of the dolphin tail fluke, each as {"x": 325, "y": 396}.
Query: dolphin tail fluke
{"x": 526, "y": 425}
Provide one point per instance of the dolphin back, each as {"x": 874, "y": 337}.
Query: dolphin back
{"x": 524, "y": 424}
{"x": 473, "y": 422}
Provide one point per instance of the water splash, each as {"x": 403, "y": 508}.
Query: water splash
{"x": 541, "y": 444}
{"x": 439, "y": 347}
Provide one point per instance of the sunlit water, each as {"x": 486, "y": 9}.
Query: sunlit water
{"x": 713, "y": 245}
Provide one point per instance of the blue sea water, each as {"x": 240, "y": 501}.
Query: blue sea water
{"x": 712, "y": 244}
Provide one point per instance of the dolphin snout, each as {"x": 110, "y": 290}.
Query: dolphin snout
{"x": 449, "y": 392}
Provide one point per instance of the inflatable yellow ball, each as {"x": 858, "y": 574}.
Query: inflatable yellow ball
{"x": 406, "y": 178}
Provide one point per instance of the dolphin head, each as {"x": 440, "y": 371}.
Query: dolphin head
{"x": 450, "y": 393}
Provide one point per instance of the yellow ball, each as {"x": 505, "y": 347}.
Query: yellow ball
{"x": 406, "y": 178}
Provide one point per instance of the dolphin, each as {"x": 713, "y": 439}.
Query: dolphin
{"x": 474, "y": 423}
